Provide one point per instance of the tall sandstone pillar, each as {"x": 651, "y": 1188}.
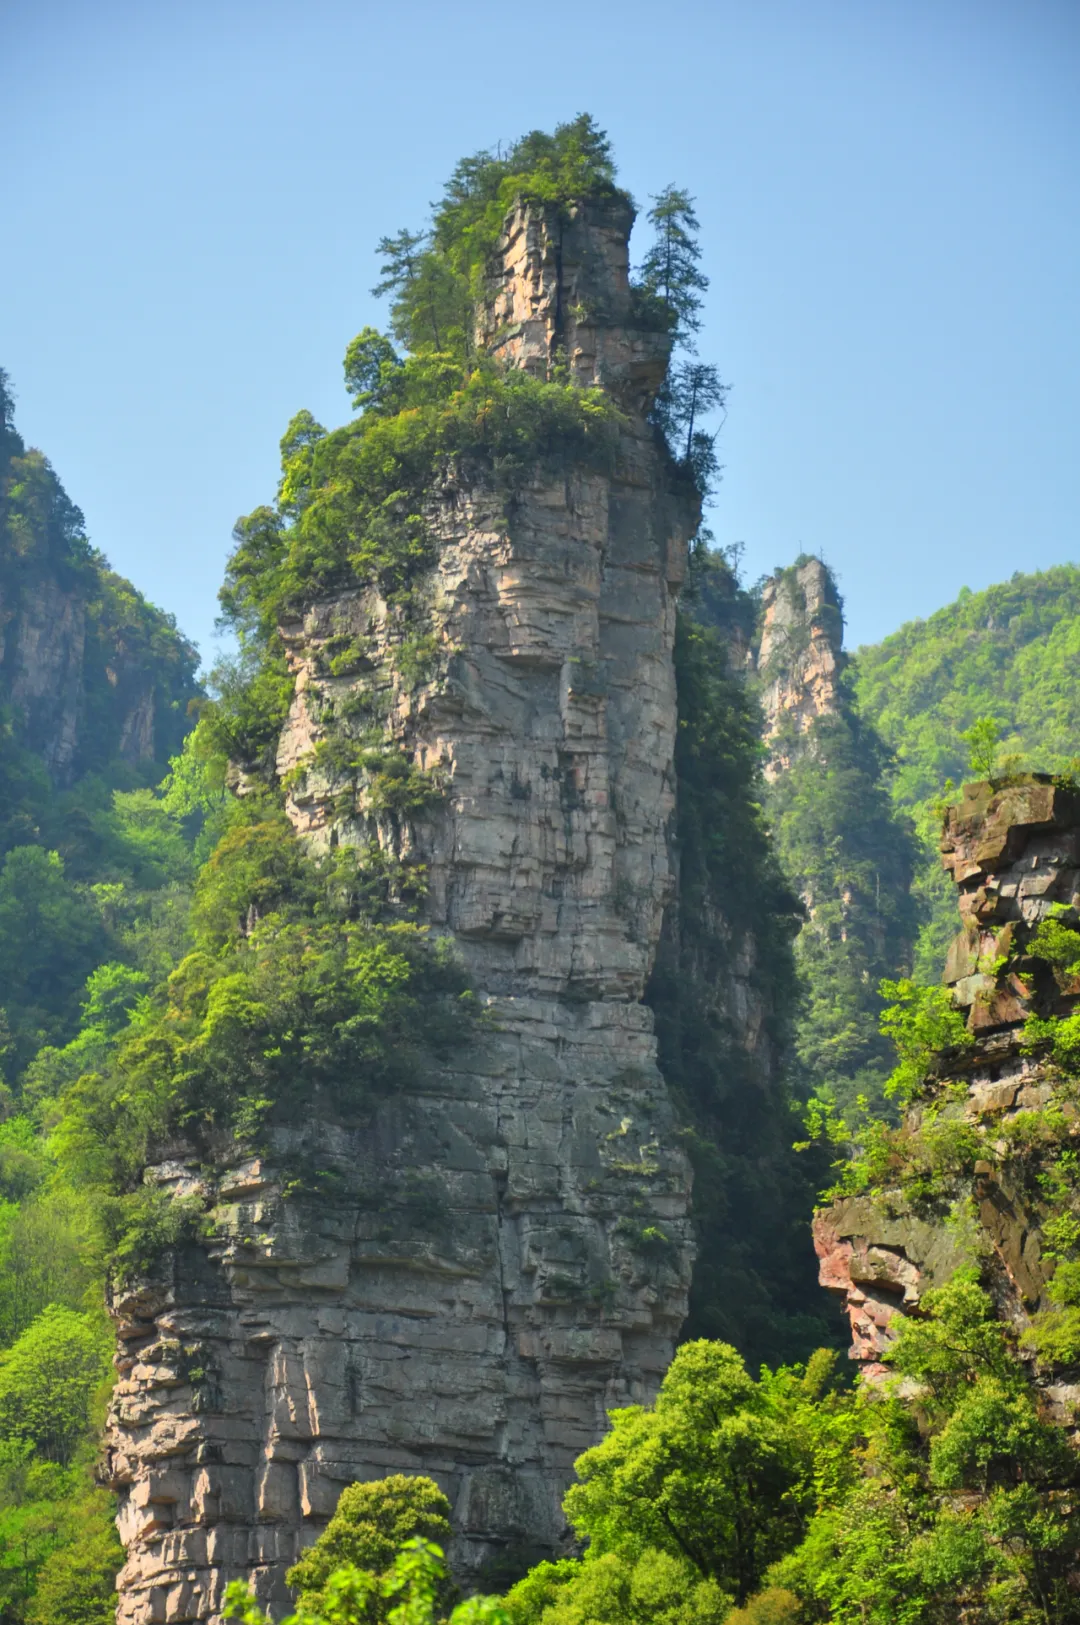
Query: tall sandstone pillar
{"x": 476, "y": 1294}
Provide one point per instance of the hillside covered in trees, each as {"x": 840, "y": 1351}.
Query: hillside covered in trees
{"x": 258, "y": 992}
{"x": 96, "y": 687}
{"x": 1007, "y": 654}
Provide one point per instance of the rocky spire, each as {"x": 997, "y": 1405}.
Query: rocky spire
{"x": 799, "y": 657}
{"x": 487, "y": 1280}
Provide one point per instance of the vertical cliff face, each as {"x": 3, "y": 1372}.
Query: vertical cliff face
{"x": 506, "y": 1253}
{"x": 89, "y": 671}
{"x": 1001, "y": 1109}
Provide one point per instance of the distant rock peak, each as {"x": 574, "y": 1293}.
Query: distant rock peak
{"x": 799, "y": 657}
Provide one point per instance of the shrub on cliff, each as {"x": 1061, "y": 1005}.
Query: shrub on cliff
{"x": 686, "y": 1503}
{"x": 948, "y": 1498}
{"x": 965, "y": 1506}
{"x": 291, "y": 987}
{"x": 371, "y": 1523}
{"x": 408, "y": 1593}
{"x": 351, "y": 503}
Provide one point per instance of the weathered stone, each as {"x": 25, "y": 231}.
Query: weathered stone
{"x": 474, "y": 1303}
{"x": 1014, "y": 852}
{"x": 799, "y": 658}
{"x": 49, "y": 667}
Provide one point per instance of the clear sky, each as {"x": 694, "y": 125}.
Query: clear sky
{"x": 890, "y": 200}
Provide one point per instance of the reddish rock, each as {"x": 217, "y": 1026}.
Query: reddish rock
{"x": 1014, "y": 852}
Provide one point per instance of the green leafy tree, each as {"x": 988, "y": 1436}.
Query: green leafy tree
{"x": 922, "y": 1023}
{"x": 373, "y": 371}
{"x": 967, "y": 1503}
{"x": 410, "y": 1592}
{"x": 371, "y": 1523}
{"x": 671, "y": 275}
{"x": 59, "y": 1551}
{"x": 76, "y": 1584}
{"x": 401, "y": 256}
{"x": 431, "y": 300}
{"x": 46, "y": 1257}
{"x": 948, "y": 1499}
{"x": 50, "y": 937}
{"x": 692, "y": 391}
{"x": 773, "y": 1606}
{"x": 983, "y": 739}
{"x": 47, "y": 1381}
{"x": 706, "y": 1488}
{"x": 651, "y": 1587}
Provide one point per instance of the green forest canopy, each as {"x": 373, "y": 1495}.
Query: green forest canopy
{"x": 1010, "y": 652}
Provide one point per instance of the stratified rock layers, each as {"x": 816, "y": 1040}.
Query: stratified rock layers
{"x": 508, "y": 1252}
{"x": 1013, "y": 850}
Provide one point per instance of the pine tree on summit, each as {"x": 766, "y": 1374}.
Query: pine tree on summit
{"x": 670, "y": 268}
{"x": 670, "y": 274}
{"x": 402, "y": 254}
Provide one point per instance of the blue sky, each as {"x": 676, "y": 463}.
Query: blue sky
{"x": 888, "y": 192}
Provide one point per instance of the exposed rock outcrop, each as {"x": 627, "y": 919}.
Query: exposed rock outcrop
{"x": 507, "y": 1251}
{"x": 89, "y": 671}
{"x": 1013, "y": 850}
{"x": 799, "y": 656}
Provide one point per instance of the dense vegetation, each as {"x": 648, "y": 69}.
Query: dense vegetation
{"x": 1008, "y": 653}
{"x": 850, "y": 856}
{"x": 88, "y": 823}
{"x": 94, "y": 899}
{"x": 828, "y": 1504}
{"x": 784, "y": 1500}
{"x": 730, "y": 941}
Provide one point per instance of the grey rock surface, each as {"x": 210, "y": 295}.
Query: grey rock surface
{"x": 506, "y": 1251}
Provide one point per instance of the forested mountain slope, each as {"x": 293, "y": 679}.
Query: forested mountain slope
{"x": 861, "y": 752}
{"x": 848, "y": 852}
{"x": 1010, "y": 653}
{"x": 95, "y": 690}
